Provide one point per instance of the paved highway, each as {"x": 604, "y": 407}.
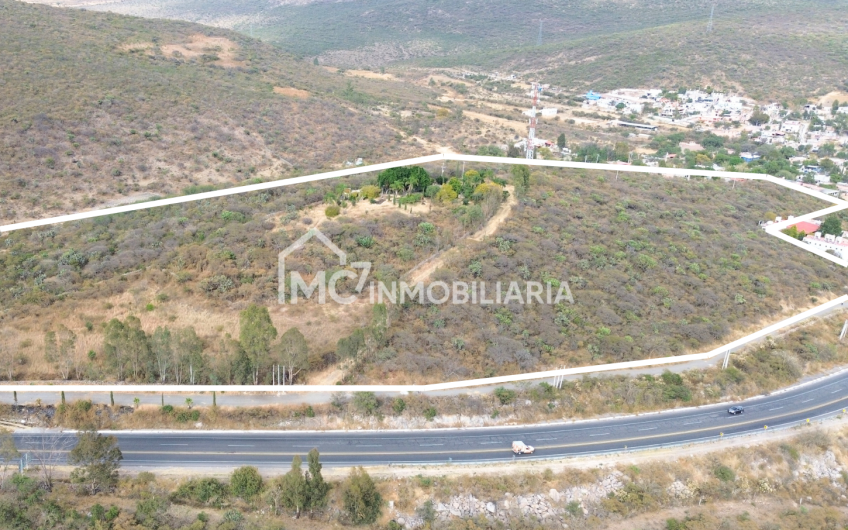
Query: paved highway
{"x": 275, "y": 449}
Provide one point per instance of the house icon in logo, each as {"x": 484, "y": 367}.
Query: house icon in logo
{"x": 320, "y": 280}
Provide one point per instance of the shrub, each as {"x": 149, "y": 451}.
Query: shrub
{"x": 399, "y": 405}
{"x": 671, "y": 378}
{"x": 204, "y": 491}
{"x": 227, "y": 215}
{"x": 430, "y": 413}
{"x": 365, "y": 241}
{"x": 724, "y": 474}
{"x": 505, "y": 396}
{"x": 412, "y": 198}
{"x": 73, "y": 258}
{"x": 674, "y": 524}
{"x": 426, "y": 512}
{"x": 791, "y": 451}
{"x": 366, "y": 402}
{"x": 245, "y": 482}
{"x": 167, "y": 409}
{"x": 184, "y": 416}
{"x": 370, "y": 192}
{"x": 677, "y": 392}
{"x": 332, "y": 211}
{"x": 445, "y": 195}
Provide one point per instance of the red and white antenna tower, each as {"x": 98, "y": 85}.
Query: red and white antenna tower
{"x": 530, "y": 152}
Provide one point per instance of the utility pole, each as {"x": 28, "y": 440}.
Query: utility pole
{"x": 710, "y": 25}
{"x": 530, "y": 152}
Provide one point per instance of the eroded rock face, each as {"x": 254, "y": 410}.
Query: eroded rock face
{"x": 548, "y": 508}
{"x": 813, "y": 468}
{"x": 680, "y": 490}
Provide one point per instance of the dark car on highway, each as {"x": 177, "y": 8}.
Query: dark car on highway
{"x": 735, "y": 410}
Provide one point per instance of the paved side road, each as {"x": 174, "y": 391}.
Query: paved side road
{"x": 168, "y": 449}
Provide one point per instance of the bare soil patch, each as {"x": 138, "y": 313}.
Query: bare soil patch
{"x": 828, "y": 99}
{"x": 367, "y": 74}
{"x": 362, "y": 210}
{"x": 201, "y": 45}
{"x": 493, "y": 120}
{"x": 137, "y": 46}
{"x": 291, "y": 92}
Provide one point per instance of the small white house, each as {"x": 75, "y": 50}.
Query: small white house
{"x": 837, "y": 245}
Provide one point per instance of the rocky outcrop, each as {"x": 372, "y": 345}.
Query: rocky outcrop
{"x": 551, "y": 508}
{"x": 815, "y": 468}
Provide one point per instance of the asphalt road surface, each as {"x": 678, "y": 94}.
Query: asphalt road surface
{"x": 146, "y": 450}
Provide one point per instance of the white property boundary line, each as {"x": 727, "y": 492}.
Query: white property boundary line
{"x": 774, "y": 230}
{"x": 423, "y": 160}
{"x": 833, "y": 304}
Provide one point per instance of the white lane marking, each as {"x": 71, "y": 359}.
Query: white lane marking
{"x": 543, "y": 439}
{"x": 692, "y": 422}
{"x": 776, "y": 408}
{"x": 173, "y": 444}
{"x": 601, "y": 434}
{"x": 807, "y": 400}
{"x": 369, "y": 446}
{"x": 429, "y": 445}
{"x": 835, "y": 391}
{"x": 485, "y": 443}
{"x": 648, "y": 429}
{"x": 312, "y": 445}
{"x": 239, "y": 445}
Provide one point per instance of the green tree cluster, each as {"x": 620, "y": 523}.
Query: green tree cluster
{"x": 409, "y": 179}
{"x": 361, "y": 500}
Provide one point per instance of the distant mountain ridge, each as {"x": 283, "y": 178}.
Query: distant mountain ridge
{"x": 110, "y": 109}
{"x": 763, "y": 47}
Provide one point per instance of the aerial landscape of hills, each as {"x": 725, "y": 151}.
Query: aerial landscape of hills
{"x": 114, "y": 102}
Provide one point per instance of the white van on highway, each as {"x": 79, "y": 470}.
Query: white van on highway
{"x": 521, "y": 448}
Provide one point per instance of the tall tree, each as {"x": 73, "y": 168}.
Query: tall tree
{"x": 293, "y": 352}
{"x": 362, "y": 501}
{"x": 9, "y": 453}
{"x": 188, "y": 361}
{"x": 521, "y": 177}
{"x": 256, "y": 331}
{"x": 561, "y": 140}
{"x": 379, "y": 325}
{"x": 294, "y": 495}
{"x": 317, "y": 489}
{"x": 59, "y": 350}
{"x": 125, "y": 346}
{"x": 160, "y": 346}
{"x": 99, "y": 458}
{"x": 49, "y": 450}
